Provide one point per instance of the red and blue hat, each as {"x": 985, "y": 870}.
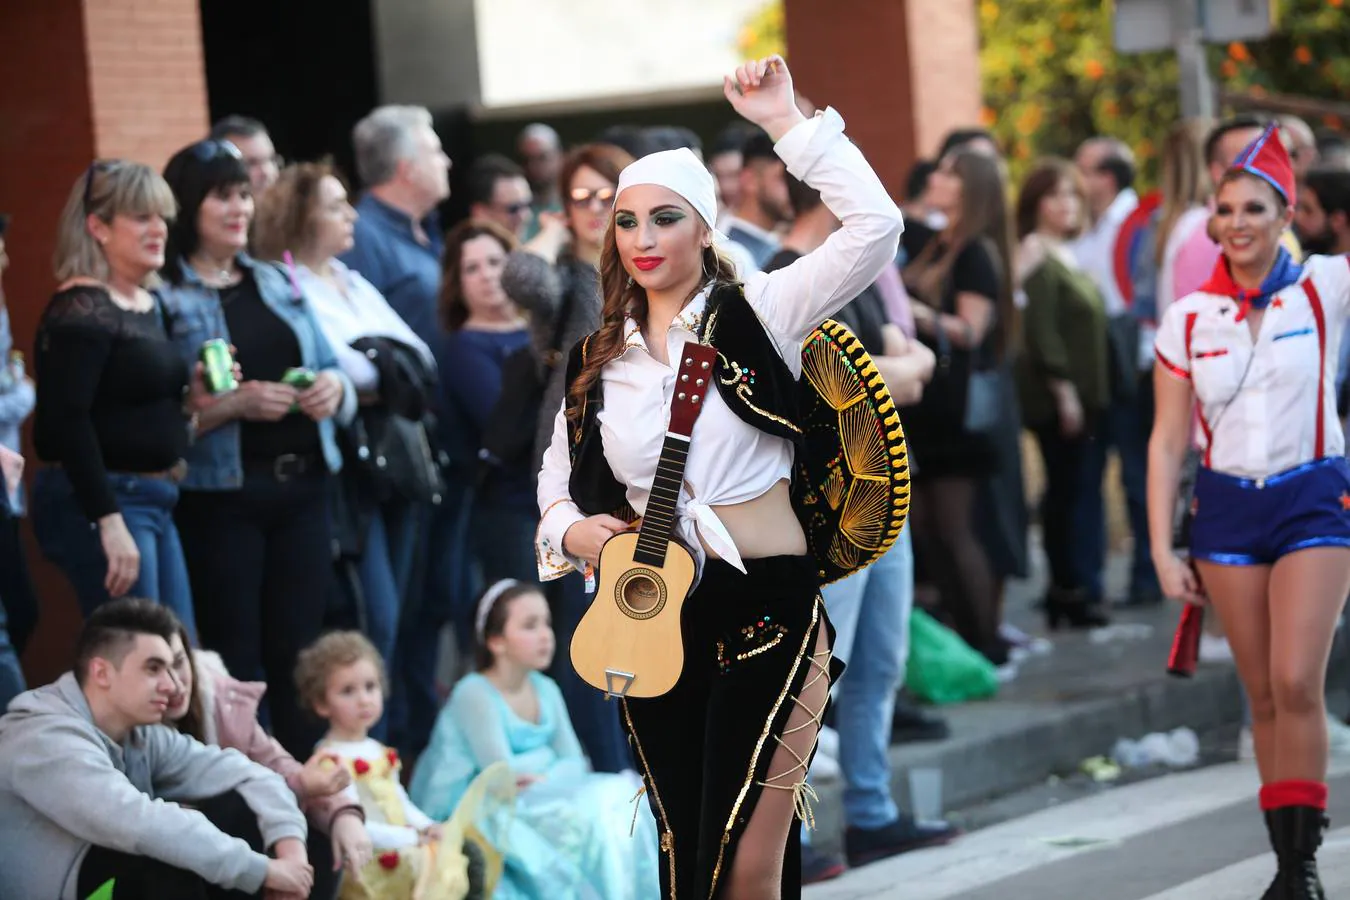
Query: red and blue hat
{"x": 1267, "y": 159}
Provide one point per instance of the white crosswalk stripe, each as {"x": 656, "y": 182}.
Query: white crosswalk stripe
{"x": 1073, "y": 840}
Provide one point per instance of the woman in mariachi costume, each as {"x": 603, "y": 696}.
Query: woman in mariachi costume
{"x": 724, "y": 753}
{"x": 1256, "y": 348}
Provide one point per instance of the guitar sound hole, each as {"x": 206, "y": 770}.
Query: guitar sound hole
{"x": 640, "y": 594}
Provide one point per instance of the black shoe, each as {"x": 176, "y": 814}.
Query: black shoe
{"x": 912, "y": 724}
{"x": 865, "y": 845}
{"x": 1075, "y": 608}
{"x": 818, "y": 866}
{"x": 1295, "y": 835}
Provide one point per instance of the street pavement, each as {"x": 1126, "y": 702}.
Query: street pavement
{"x": 1195, "y": 835}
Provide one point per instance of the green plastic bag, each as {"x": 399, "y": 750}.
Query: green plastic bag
{"x": 105, "y": 891}
{"x": 943, "y": 668}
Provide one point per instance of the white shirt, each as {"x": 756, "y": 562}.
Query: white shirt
{"x": 363, "y": 312}
{"x": 1096, "y": 249}
{"x": 1284, "y": 414}
{"x": 730, "y": 460}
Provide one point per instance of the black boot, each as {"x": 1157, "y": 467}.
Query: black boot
{"x": 1075, "y": 608}
{"x": 1295, "y": 835}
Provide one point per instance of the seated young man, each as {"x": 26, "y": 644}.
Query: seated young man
{"x": 91, "y": 784}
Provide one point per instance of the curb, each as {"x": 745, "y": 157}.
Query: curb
{"x": 1001, "y": 747}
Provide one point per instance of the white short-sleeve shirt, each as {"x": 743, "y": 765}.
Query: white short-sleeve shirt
{"x": 1270, "y": 404}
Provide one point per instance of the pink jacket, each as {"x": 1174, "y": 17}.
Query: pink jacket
{"x": 230, "y": 711}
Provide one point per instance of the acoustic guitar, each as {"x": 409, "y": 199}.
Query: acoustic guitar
{"x": 629, "y": 643}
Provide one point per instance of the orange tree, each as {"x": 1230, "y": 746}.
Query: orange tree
{"x": 1052, "y": 76}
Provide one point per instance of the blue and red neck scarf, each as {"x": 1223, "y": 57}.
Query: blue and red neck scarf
{"x": 1284, "y": 273}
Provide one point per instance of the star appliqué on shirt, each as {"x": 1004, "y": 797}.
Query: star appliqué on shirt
{"x": 1345, "y": 500}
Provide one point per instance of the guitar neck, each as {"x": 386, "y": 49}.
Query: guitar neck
{"x": 658, "y": 521}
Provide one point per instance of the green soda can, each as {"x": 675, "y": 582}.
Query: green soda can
{"x": 217, "y": 366}
{"x": 300, "y": 379}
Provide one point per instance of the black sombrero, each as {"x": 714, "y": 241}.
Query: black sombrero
{"x": 852, "y": 486}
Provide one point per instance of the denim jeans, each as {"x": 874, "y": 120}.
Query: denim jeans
{"x": 386, "y": 569}
{"x": 1126, "y": 428}
{"x": 11, "y": 676}
{"x": 870, "y": 612}
{"x": 444, "y": 594}
{"x": 595, "y": 717}
{"x": 71, "y": 542}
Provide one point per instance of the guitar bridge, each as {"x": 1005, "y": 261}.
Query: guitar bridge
{"x": 617, "y": 683}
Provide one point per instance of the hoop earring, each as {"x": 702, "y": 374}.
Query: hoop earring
{"x": 708, "y": 275}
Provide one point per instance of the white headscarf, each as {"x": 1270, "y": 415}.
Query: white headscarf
{"x": 681, "y": 171}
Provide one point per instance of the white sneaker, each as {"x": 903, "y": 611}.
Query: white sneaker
{"x": 1246, "y": 745}
{"x": 1338, "y": 736}
{"x": 1214, "y": 648}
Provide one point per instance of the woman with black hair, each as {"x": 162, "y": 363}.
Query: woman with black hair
{"x": 253, "y": 514}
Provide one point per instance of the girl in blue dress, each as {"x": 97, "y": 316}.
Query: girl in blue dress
{"x": 577, "y": 833}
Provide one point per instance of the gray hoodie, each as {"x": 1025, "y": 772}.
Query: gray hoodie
{"x": 65, "y": 785}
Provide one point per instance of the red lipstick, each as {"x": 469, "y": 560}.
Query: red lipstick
{"x": 647, "y": 263}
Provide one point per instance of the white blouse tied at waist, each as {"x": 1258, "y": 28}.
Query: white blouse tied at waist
{"x": 362, "y": 312}
{"x": 1283, "y": 413}
{"x": 730, "y": 461}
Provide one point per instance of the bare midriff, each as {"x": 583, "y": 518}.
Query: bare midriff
{"x": 762, "y": 527}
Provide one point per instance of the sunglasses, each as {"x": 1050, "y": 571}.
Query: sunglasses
{"x": 205, "y": 151}
{"x": 101, "y": 166}
{"x": 583, "y": 197}
{"x": 516, "y": 209}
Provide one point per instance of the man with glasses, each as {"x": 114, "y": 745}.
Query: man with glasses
{"x": 255, "y": 146}
{"x": 499, "y": 192}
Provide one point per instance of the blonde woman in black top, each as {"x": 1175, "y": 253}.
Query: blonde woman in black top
{"x": 114, "y": 411}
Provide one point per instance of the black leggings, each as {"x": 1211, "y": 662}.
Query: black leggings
{"x": 143, "y": 878}
{"x": 704, "y": 748}
{"x": 954, "y": 557}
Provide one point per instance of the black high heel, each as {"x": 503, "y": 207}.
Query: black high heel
{"x": 1074, "y": 608}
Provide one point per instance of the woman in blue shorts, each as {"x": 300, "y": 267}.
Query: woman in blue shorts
{"x": 1247, "y": 364}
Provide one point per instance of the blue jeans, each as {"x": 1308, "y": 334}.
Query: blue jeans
{"x": 595, "y": 718}
{"x": 1126, "y": 428}
{"x": 446, "y": 595}
{"x": 386, "y": 569}
{"x": 870, "y": 612}
{"x": 11, "y": 676}
{"x": 71, "y": 542}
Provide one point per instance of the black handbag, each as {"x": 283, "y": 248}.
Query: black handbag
{"x": 391, "y": 439}
{"x": 399, "y": 456}
{"x": 971, "y": 395}
{"x": 508, "y": 438}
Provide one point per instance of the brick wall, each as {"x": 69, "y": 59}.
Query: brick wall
{"x": 147, "y": 79}
{"x": 901, "y": 72}
{"x": 79, "y": 80}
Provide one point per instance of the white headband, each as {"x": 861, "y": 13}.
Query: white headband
{"x": 486, "y": 603}
{"x": 680, "y": 171}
